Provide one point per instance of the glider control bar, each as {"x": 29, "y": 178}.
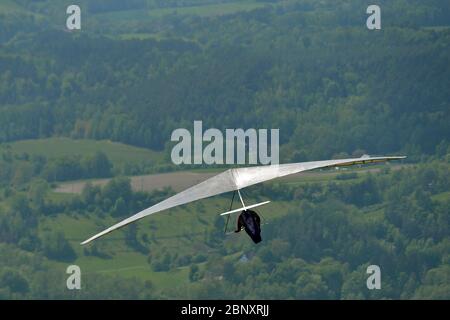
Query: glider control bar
{"x": 245, "y": 208}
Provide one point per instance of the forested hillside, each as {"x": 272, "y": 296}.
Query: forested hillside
{"x": 102, "y": 102}
{"x": 328, "y": 83}
{"x": 319, "y": 240}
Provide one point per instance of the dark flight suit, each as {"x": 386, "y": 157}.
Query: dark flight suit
{"x": 250, "y": 221}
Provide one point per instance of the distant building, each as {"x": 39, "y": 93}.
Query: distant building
{"x": 244, "y": 258}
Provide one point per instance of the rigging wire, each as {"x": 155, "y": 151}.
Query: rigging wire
{"x": 231, "y": 206}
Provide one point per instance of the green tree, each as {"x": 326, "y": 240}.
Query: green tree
{"x": 55, "y": 246}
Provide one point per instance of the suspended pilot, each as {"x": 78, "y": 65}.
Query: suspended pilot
{"x": 250, "y": 221}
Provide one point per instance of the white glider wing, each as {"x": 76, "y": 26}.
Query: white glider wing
{"x": 235, "y": 179}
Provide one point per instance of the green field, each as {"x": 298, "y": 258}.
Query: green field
{"x": 178, "y": 231}
{"x": 441, "y": 197}
{"x": 199, "y": 10}
{"x": 12, "y": 7}
{"x": 209, "y": 10}
{"x": 118, "y": 153}
{"x": 9, "y": 6}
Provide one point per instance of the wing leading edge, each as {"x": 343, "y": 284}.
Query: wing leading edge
{"x": 234, "y": 179}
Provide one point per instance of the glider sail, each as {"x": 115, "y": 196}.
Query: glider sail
{"x": 235, "y": 179}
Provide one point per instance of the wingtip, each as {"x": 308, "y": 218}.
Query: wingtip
{"x": 89, "y": 240}
{"x": 395, "y": 157}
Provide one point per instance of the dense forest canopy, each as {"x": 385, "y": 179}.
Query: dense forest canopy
{"x": 139, "y": 69}
{"x": 328, "y": 83}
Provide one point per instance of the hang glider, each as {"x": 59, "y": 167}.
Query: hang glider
{"x": 237, "y": 179}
